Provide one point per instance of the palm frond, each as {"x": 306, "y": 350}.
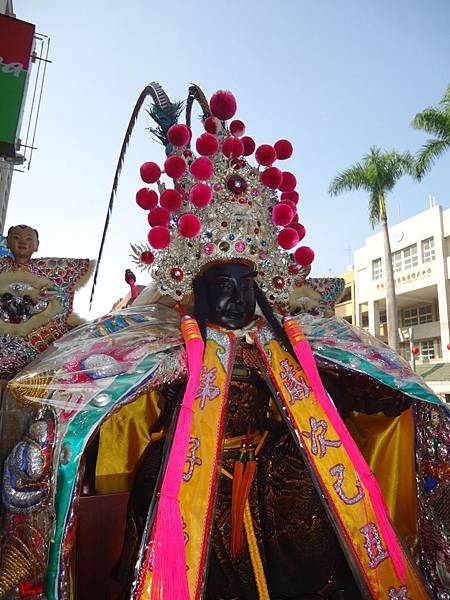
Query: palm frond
{"x": 374, "y": 209}
{"x": 433, "y": 121}
{"x": 353, "y": 178}
{"x": 378, "y": 173}
{"x": 428, "y": 155}
{"x": 445, "y": 100}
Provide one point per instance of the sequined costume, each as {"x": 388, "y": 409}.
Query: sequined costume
{"x": 291, "y": 526}
{"x": 36, "y": 309}
{"x": 119, "y": 346}
{"x": 36, "y": 302}
{"x": 223, "y": 213}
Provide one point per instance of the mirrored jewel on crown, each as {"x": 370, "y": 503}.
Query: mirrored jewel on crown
{"x": 220, "y": 207}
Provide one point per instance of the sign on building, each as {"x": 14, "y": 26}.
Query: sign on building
{"x": 16, "y": 47}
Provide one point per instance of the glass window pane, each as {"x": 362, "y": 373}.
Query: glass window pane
{"x": 377, "y": 269}
{"x": 427, "y": 349}
{"x": 425, "y": 314}
{"x": 428, "y": 252}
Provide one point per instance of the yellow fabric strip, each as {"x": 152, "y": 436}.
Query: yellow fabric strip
{"x": 387, "y": 444}
{"x": 202, "y": 464}
{"x": 345, "y": 494}
{"x": 123, "y": 439}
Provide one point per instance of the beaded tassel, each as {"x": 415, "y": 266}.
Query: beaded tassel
{"x": 255, "y": 557}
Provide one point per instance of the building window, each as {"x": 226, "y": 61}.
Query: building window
{"x": 377, "y": 269}
{"x": 425, "y": 314}
{"x": 417, "y": 315}
{"x": 383, "y": 317}
{"x": 428, "y": 253}
{"x": 365, "y": 319}
{"x": 405, "y": 259}
{"x": 347, "y": 295}
{"x": 427, "y": 349}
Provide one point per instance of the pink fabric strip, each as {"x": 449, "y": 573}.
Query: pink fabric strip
{"x": 169, "y": 579}
{"x": 306, "y": 359}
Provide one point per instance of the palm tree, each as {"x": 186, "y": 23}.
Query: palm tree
{"x": 377, "y": 173}
{"x": 434, "y": 120}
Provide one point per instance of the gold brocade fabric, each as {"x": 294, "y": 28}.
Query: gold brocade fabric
{"x": 387, "y": 444}
{"x": 123, "y": 439}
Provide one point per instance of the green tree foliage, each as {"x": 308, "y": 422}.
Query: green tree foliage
{"x": 377, "y": 174}
{"x": 435, "y": 121}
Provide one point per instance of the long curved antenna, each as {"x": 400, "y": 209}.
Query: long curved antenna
{"x": 196, "y": 93}
{"x": 160, "y": 98}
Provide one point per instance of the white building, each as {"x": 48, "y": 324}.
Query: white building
{"x": 421, "y": 261}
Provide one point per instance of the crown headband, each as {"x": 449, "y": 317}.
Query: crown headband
{"x": 221, "y": 208}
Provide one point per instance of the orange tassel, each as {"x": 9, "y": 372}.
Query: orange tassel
{"x": 237, "y": 533}
{"x": 238, "y": 473}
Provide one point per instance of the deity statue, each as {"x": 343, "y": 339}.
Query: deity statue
{"x": 36, "y": 308}
{"x": 36, "y": 299}
{"x": 266, "y": 447}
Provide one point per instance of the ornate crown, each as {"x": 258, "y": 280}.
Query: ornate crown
{"x": 221, "y": 208}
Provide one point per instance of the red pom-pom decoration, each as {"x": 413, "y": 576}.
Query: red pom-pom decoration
{"x": 282, "y": 215}
{"x": 146, "y": 199}
{"x": 150, "y": 172}
{"x": 147, "y": 257}
{"x": 211, "y": 125}
{"x": 415, "y": 350}
{"x": 175, "y": 167}
{"x": 299, "y": 228}
{"x": 265, "y": 155}
{"x": 292, "y": 196}
{"x": 272, "y": 178}
{"x": 200, "y": 195}
{"x": 289, "y": 182}
{"x": 189, "y": 225}
{"x": 207, "y": 144}
{"x": 291, "y": 204}
{"x": 170, "y": 199}
{"x": 223, "y": 105}
{"x": 288, "y": 238}
{"x": 249, "y": 145}
{"x": 304, "y": 256}
{"x": 232, "y": 147}
{"x": 158, "y": 216}
{"x": 284, "y": 149}
{"x": 179, "y": 135}
{"x": 202, "y": 168}
{"x": 159, "y": 237}
{"x": 237, "y": 128}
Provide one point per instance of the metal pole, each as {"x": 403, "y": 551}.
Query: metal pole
{"x": 411, "y": 346}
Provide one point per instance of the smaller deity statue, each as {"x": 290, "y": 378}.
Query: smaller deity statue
{"x": 36, "y": 302}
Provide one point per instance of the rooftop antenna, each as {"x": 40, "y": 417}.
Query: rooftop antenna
{"x": 350, "y": 263}
{"x": 431, "y": 200}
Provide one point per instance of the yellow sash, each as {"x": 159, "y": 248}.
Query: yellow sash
{"x": 346, "y": 502}
{"x": 199, "y": 485}
{"x": 332, "y": 468}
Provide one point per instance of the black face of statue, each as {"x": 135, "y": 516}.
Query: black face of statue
{"x": 231, "y": 294}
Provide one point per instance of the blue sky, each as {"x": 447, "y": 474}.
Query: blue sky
{"x": 333, "y": 76}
